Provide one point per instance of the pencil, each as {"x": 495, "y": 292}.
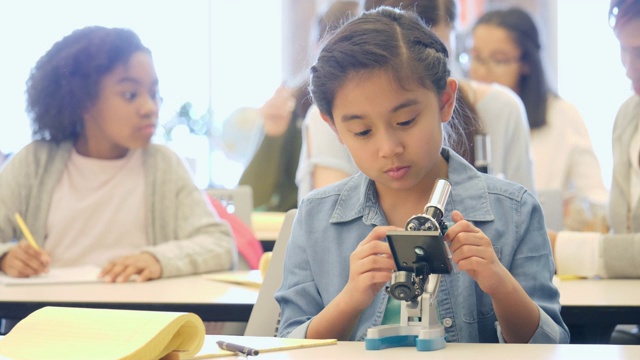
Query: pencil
{"x": 244, "y": 350}
{"x": 26, "y": 232}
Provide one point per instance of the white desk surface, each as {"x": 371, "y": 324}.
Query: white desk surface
{"x": 183, "y": 290}
{"x": 606, "y": 292}
{"x": 356, "y": 350}
{"x": 207, "y": 298}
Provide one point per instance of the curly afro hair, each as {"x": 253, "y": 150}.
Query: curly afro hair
{"x": 65, "y": 81}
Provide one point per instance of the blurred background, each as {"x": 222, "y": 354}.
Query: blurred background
{"x": 221, "y": 59}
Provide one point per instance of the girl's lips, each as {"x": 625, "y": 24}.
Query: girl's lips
{"x": 398, "y": 172}
{"x": 148, "y": 129}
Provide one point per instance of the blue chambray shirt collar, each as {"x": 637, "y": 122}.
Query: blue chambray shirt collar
{"x": 468, "y": 194}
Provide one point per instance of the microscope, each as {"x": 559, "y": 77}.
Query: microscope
{"x": 421, "y": 257}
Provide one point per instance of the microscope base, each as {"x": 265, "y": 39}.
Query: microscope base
{"x": 388, "y": 336}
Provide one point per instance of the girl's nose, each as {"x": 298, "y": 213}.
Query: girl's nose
{"x": 390, "y": 145}
{"x": 151, "y": 105}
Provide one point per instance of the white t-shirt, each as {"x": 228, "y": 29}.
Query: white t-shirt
{"x": 563, "y": 157}
{"x": 97, "y": 211}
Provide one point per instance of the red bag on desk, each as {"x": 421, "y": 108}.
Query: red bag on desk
{"x": 248, "y": 245}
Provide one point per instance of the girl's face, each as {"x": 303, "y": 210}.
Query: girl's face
{"x": 628, "y": 34}
{"x": 394, "y": 135}
{"x": 125, "y": 113}
{"x": 495, "y": 57}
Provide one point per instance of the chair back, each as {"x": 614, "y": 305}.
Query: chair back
{"x": 237, "y": 201}
{"x": 265, "y": 316}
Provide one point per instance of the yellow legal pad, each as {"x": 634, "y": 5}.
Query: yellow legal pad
{"x": 251, "y": 278}
{"x": 77, "y": 333}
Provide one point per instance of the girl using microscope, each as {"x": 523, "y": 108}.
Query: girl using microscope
{"x": 382, "y": 83}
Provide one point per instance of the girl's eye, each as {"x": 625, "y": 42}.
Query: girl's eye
{"x": 407, "y": 123}
{"x": 363, "y": 133}
{"x": 155, "y": 94}
{"x": 130, "y": 95}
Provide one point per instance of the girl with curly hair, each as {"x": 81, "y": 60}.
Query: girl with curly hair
{"x": 91, "y": 186}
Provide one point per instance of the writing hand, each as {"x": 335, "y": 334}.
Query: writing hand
{"x": 23, "y": 260}
{"x": 473, "y": 253}
{"x": 145, "y": 265}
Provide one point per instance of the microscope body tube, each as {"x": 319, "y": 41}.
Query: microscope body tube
{"x": 433, "y": 211}
{"x": 438, "y": 199}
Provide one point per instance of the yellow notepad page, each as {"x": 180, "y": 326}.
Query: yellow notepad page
{"x": 263, "y": 344}
{"x": 77, "y": 333}
{"x": 249, "y": 278}
{"x": 267, "y": 220}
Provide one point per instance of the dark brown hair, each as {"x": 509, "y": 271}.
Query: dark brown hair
{"x": 434, "y": 13}
{"x": 533, "y": 87}
{"x": 621, "y": 11}
{"x": 65, "y": 81}
{"x": 382, "y": 39}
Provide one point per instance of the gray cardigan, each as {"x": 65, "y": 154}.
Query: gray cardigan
{"x": 185, "y": 234}
{"x": 621, "y": 248}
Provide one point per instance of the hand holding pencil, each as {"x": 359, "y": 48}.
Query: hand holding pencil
{"x": 27, "y": 258}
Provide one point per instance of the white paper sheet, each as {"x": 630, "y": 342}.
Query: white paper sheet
{"x": 76, "y": 274}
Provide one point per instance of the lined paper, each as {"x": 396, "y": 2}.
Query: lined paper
{"x": 78, "y": 333}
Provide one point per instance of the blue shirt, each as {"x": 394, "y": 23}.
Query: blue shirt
{"x": 332, "y": 221}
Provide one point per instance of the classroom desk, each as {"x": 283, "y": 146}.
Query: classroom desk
{"x": 266, "y": 227}
{"x": 592, "y": 308}
{"x": 356, "y": 350}
{"x": 211, "y": 300}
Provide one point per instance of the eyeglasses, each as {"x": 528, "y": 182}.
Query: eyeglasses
{"x": 491, "y": 64}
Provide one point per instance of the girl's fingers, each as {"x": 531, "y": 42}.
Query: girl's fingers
{"x": 456, "y": 216}
{"x": 376, "y": 263}
{"x": 461, "y": 226}
{"x": 378, "y": 233}
{"x": 472, "y": 239}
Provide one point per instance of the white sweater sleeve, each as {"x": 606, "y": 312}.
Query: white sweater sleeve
{"x": 579, "y": 253}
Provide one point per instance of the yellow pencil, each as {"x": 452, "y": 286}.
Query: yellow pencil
{"x": 26, "y": 232}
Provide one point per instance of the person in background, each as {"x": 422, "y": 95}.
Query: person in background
{"x": 506, "y": 50}
{"x": 492, "y": 110}
{"x": 323, "y": 160}
{"x": 383, "y": 84}
{"x": 616, "y": 254}
{"x": 273, "y": 170}
{"x": 91, "y": 186}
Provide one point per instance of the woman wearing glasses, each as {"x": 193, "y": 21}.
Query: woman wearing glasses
{"x": 506, "y": 50}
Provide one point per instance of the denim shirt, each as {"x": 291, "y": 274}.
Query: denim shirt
{"x": 332, "y": 221}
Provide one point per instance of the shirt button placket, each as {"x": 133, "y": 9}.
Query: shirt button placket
{"x": 447, "y": 322}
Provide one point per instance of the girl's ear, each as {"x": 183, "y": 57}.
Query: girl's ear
{"x": 332, "y": 125}
{"x": 448, "y": 100}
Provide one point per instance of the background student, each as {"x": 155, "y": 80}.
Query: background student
{"x": 616, "y": 254}
{"x": 493, "y": 110}
{"x": 272, "y": 171}
{"x": 382, "y": 83}
{"x": 91, "y": 187}
{"x": 323, "y": 160}
{"x": 506, "y": 50}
